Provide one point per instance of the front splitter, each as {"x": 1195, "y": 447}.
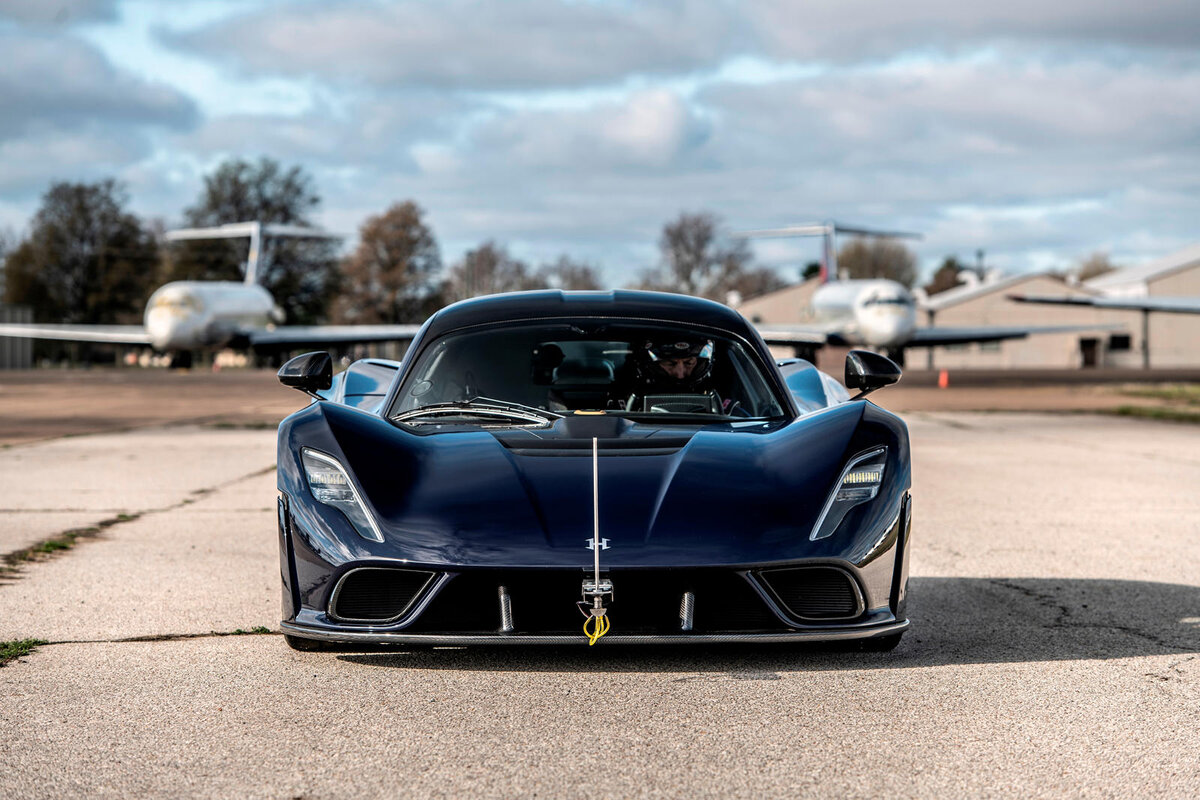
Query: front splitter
{"x": 456, "y": 640}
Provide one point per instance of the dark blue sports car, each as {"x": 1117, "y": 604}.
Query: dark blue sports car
{"x": 606, "y": 467}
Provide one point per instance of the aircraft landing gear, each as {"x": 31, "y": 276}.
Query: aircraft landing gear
{"x": 806, "y": 351}
{"x": 896, "y": 354}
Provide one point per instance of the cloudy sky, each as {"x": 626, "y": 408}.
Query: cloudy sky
{"x": 1038, "y": 131}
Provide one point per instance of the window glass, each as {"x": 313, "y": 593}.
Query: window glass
{"x": 616, "y": 368}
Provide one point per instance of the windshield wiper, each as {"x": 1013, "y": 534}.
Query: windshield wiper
{"x": 480, "y": 407}
{"x": 491, "y": 403}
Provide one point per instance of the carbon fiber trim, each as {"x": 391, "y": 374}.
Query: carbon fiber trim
{"x": 368, "y": 637}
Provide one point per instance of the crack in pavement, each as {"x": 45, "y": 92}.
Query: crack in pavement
{"x": 1172, "y": 671}
{"x": 29, "y": 646}
{"x": 167, "y": 637}
{"x": 216, "y": 421}
{"x": 1064, "y": 617}
{"x": 12, "y": 563}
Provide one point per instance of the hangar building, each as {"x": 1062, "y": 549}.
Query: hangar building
{"x": 1174, "y": 338}
{"x": 987, "y": 304}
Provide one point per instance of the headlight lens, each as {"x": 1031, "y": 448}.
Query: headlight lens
{"x": 331, "y": 485}
{"x": 858, "y": 483}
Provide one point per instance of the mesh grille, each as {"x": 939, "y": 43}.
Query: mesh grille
{"x": 378, "y": 594}
{"x": 814, "y": 592}
{"x": 645, "y": 602}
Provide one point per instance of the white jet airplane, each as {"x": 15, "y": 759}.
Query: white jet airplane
{"x": 878, "y": 314}
{"x": 183, "y": 316}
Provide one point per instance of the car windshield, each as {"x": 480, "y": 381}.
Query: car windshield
{"x": 531, "y": 374}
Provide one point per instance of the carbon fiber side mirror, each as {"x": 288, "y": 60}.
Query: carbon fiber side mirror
{"x": 867, "y": 371}
{"x": 310, "y": 373}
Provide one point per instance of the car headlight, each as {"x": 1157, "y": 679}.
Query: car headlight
{"x": 858, "y": 483}
{"x": 331, "y": 485}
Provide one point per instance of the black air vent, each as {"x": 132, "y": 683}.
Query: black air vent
{"x": 645, "y": 602}
{"x": 625, "y": 446}
{"x": 812, "y": 593}
{"x": 377, "y": 594}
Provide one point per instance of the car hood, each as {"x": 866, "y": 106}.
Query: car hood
{"x": 668, "y": 495}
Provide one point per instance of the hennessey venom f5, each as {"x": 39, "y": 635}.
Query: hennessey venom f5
{"x": 607, "y": 467}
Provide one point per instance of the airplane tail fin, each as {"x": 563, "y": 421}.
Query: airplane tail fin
{"x": 828, "y": 258}
{"x": 828, "y": 232}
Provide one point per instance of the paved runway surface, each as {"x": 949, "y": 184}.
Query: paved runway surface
{"x": 1055, "y": 648}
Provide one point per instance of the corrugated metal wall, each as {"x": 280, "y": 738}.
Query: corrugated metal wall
{"x": 15, "y": 353}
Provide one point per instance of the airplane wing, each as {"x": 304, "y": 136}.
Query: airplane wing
{"x": 112, "y": 334}
{"x": 1176, "y": 305}
{"x": 930, "y": 337}
{"x": 317, "y": 335}
{"x": 798, "y": 334}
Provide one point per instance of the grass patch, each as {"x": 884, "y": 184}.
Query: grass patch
{"x": 58, "y": 543}
{"x": 1185, "y": 394}
{"x": 252, "y": 425}
{"x": 257, "y": 629}
{"x": 10, "y": 651}
{"x": 1168, "y": 414}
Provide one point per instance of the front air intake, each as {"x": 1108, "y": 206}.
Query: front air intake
{"x": 377, "y": 594}
{"x": 815, "y": 593}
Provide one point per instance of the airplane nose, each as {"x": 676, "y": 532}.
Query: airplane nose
{"x": 891, "y": 330}
{"x": 163, "y": 329}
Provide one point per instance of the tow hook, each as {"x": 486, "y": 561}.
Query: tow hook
{"x": 597, "y": 596}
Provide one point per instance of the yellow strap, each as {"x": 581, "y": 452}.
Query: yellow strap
{"x": 600, "y": 628}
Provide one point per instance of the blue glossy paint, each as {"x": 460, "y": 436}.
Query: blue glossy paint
{"x": 728, "y": 495}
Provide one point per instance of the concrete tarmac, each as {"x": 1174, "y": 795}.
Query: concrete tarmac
{"x": 1055, "y": 647}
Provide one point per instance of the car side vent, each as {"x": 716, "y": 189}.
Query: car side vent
{"x": 377, "y": 594}
{"x": 815, "y": 593}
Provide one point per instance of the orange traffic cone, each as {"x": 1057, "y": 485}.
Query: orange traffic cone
{"x": 944, "y": 379}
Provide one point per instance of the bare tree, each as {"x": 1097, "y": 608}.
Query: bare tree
{"x": 946, "y": 277}
{"x": 1094, "y": 266}
{"x": 390, "y": 277}
{"x": 566, "y": 273}
{"x": 489, "y": 269}
{"x": 878, "y": 258}
{"x": 697, "y": 258}
{"x": 753, "y": 283}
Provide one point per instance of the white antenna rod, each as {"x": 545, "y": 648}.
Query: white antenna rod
{"x": 596, "y": 504}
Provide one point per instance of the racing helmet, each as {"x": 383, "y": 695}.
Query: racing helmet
{"x": 652, "y": 374}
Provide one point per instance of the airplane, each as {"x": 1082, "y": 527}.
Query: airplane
{"x": 183, "y": 316}
{"x": 876, "y": 313}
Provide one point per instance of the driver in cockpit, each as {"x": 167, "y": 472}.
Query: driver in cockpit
{"x": 679, "y": 365}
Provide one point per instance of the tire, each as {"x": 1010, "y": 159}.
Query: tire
{"x": 881, "y": 644}
{"x": 304, "y": 645}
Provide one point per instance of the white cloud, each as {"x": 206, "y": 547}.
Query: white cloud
{"x": 69, "y": 115}
{"x": 60, "y": 81}
{"x": 57, "y": 12}
{"x": 857, "y": 30}
{"x": 468, "y": 44}
{"x": 1028, "y": 129}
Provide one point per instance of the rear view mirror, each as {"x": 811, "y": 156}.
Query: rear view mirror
{"x": 309, "y": 373}
{"x": 867, "y": 371}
